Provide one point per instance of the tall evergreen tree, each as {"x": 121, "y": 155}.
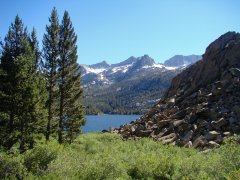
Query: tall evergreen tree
{"x": 21, "y": 92}
{"x": 30, "y": 98}
{"x": 38, "y": 63}
{"x": 14, "y": 46}
{"x": 70, "y": 107}
{"x": 38, "y": 68}
{"x": 51, "y": 55}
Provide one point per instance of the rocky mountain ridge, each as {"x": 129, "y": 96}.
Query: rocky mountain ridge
{"x": 202, "y": 105}
{"x": 131, "y": 86}
{"x": 180, "y": 60}
{"x": 105, "y": 73}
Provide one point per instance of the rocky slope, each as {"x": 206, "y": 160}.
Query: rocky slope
{"x": 202, "y": 105}
{"x": 131, "y": 86}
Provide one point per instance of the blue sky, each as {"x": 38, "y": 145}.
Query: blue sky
{"x": 113, "y": 30}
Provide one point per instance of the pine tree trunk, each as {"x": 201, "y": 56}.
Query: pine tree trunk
{"x": 60, "y": 130}
{"x": 10, "y": 130}
{"x": 48, "y": 132}
{"x": 11, "y": 119}
{"x": 49, "y": 117}
{"x": 21, "y": 137}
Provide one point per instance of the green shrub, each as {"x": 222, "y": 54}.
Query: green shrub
{"x": 234, "y": 175}
{"x": 38, "y": 159}
{"x": 10, "y": 167}
{"x": 108, "y": 156}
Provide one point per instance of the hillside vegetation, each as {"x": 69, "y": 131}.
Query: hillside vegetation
{"x": 108, "y": 156}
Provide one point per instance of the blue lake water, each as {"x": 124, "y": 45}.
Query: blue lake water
{"x": 99, "y": 123}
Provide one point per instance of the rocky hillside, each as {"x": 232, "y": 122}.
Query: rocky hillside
{"x": 131, "y": 86}
{"x": 202, "y": 105}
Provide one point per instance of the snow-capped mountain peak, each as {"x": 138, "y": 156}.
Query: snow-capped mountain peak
{"x": 104, "y": 73}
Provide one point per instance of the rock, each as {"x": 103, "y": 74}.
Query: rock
{"x": 218, "y": 84}
{"x": 202, "y": 123}
{"x": 232, "y": 120}
{"x": 161, "y": 117}
{"x": 219, "y": 123}
{"x": 143, "y": 133}
{"x": 213, "y": 144}
{"x": 192, "y": 119}
{"x": 219, "y": 139}
{"x": 179, "y": 115}
{"x": 139, "y": 127}
{"x": 227, "y": 134}
{"x": 133, "y": 128}
{"x": 199, "y": 142}
{"x": 150, "y": 124}
{"x": 125, "y": 134}
{"x": 188, "y": 136}
{"x": 195, "y": 127}
{"x": 194, "y": 95}
{"x": 235, "y": 72}
{"x": 168, "y": 139}
{"x": 236, "y": 129}
{"x": 188, "y": 144}
{"x": 236, "y": 109}
{"x": 204, "y": 113}
{"x": 165, "y": 131}
{"x": 163, "y": 123}
{"x": 211, "y": 135}
{"x": 178, "y": 123}
{"x": 172, "y": 110}
{"x": 126, "y": 127}
{"x": 209, "y": 95}
{"x": 155, "y": 126}
{"x": 184, "y": 127}
{"x": 224, "y": 110}
{"x": 171, "y": 101}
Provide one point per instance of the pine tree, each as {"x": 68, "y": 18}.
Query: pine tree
{"x": 38, "y": 63}
{"x": 29, "y": 97}
{"x": 22, "y": 90}
{"x": 51, "y": 55}
{"x": 40, "y": 78}
{"x": 13, "y": 47}
{"x": 70, "y": 106}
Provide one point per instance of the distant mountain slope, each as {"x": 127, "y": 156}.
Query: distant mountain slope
{"x": 180, "y": 60}
{"x": 101, "y": 65}
{"x": 202, "y": 105}
{"x": 131, "y": 86}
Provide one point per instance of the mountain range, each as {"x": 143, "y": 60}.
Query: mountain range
{"x": 131, "y": 86}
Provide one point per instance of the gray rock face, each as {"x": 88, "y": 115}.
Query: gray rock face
{"x": 202, "y": 106}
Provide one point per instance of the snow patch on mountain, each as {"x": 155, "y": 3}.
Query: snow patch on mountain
{"x": 95, "y": 71}
{"x": 123, "y": 69}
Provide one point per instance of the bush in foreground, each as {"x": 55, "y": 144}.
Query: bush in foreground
{"x": 107, "y": 156}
